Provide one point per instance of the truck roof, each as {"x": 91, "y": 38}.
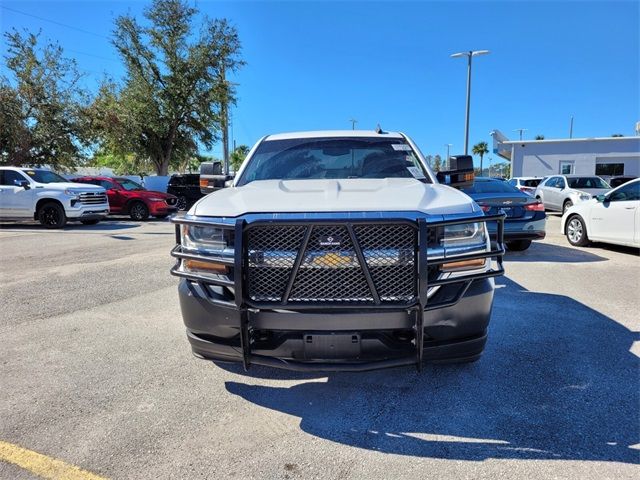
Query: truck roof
{"x": 333, "y": 133}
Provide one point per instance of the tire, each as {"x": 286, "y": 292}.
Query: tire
{"x": 566, "y": 206}
{"x": 138, "y": 211}
{"x": 89, "y": 222}
{"x": 518, "y": 245}
{"x": 576, "y": 231}
{"x": 51, "y": 215}
{"x": 182, "y": 203}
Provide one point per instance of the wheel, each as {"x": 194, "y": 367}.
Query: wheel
{"x": 577, "y": 231}
{"x": 52, "y": 215}
{"x": 566, "y": 206}
{"x": 138, "y": 211}
{"x": 518, "y": 245}
{"x": 89, "y": 222}
{"x": 182, "y": 203}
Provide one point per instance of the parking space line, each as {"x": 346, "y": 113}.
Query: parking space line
{"x": 42, "y": 465}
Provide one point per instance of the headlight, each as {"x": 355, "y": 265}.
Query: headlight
{"x": 204, "y": 240}
{"x": 72, "y": 193}
{"x": 155, "y": 199}
{"x": 585, "y": 196}
{"x": 198, "y": 238}
{"x": 465, "y": 239}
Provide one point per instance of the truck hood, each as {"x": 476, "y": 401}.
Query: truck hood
{"x": 350, "y": 195}
{"x": 70, "y": 185}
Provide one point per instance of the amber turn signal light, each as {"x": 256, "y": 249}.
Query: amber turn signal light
{"x": 210, "y": 267}
{"x": 463, "y": 265}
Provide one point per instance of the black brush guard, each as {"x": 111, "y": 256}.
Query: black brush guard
{"x": 238, "y": 280}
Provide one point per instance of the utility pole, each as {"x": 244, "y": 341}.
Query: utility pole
{"x": 225, "y": 124}
{"x": 448, "y": 145}
{"x": 520, "y": 130}
{"x": 470, "y": 54}
{"x": 353, "y": 123}
{"x": 571, "y": 128}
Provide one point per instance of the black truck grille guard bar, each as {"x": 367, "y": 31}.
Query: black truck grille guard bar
{"x": 420, "y": 304}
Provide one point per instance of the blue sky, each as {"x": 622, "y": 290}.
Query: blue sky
{"x": 315, "y": 65}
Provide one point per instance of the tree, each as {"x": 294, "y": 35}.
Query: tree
{"x": 437, "y": 163}
{"x": 175, "y": 90}
{"x": 42, "y": 107}
{"x": 481, "y": 149}
{"x": 429, "y": 159}
{"x": 617, "y": 135}
{"x": 238, "y": 156}
{"x": 539, "y": 137}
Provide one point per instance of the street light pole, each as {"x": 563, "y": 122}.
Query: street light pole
{"x": 470, "y": 54}
{"x": 448, "y": 145}
{"x": 353, "y": 123}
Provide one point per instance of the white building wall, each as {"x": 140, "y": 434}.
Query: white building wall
{"x": 545, "y": 157}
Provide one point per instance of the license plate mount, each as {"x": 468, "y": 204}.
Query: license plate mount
{"x": 331, "y": 345}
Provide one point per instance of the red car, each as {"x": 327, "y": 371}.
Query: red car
{"x": 127, "y": 197}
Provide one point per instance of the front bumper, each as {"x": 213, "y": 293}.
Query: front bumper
{"x": 447, "y": 322}
{"x": 161, "y": 208}
{"x": 87, "y": 212}
{"x": 453, "y": 333}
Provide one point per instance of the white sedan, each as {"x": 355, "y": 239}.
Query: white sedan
{"x": 610, "y": 218}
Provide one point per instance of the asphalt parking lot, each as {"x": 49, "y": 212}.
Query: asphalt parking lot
{"x": 96, "y": 372}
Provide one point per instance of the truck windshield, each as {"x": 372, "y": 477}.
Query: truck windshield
{"x": 45, "y": 176}
{"x": 334, "y": 158}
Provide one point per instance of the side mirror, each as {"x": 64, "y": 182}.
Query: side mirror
{"x": 212, "y": 178}
{"x": 460, "y": 174}
{"x": 23, "y": 183}
{"x": 601, "y": 198}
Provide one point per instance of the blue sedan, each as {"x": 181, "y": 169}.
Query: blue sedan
{"x": 525, "y": 215}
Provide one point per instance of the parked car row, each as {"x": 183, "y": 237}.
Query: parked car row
{"x": 43, "y": 195}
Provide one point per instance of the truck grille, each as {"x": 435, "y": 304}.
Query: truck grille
{"x": 91, "y": 198}
{"x": 329, "y": 268}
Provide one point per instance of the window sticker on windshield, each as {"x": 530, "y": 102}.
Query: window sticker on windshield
{"x": 416, "y": 172}
{"x": 401, "y": 147}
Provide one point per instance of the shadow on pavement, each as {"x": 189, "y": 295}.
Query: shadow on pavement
{"x": 546, "y": 252}
{"x": 102, "y": 226}
{"x": 557, "y": 381}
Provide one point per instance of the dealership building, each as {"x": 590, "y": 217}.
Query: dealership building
{"x": 606, "y": 156}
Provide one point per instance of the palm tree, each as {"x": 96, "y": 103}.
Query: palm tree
{"x": 480, "y": 149}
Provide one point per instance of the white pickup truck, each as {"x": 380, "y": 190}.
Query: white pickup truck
{"x": 38, "y": 194}
{"x": 338, "y": 250}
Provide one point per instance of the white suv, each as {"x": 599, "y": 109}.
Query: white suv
{"x": 31, "y": 193}
{"x": 560, "y": 192}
